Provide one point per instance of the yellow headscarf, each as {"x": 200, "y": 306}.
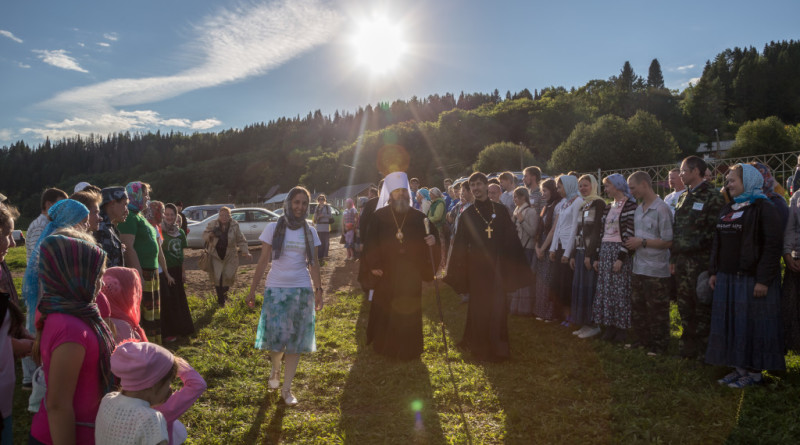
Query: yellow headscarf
{"x": 594, "y": 192}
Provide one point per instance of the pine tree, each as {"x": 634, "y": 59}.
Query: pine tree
{"x": 654, "y": 77}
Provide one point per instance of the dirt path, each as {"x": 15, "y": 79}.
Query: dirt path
{"x": 337, "y": 274}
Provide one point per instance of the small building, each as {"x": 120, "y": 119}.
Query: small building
{"x": 712, "y": 149}
{"x": 276, "y": 202}
{"x": 354, "y": 191}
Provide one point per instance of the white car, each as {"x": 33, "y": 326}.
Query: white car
{"x": 252, "y": 222}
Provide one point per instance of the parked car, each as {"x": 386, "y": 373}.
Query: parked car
{"x": 19, "y": 238}
{"x": 337, "y": 216}
{"x": 201, "y": 212}
{"x": 252, "y": 221}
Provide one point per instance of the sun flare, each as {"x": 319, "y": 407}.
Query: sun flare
{"x": 379, "y": 45}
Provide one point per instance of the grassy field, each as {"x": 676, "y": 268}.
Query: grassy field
{"x": 556, "y": 389}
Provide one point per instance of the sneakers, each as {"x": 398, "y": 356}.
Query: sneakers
{"x": 745, "y": 381}
{"x": 288, "y": 397}
{"x": 589, "y": 332}
{"x": 579, "y": 331}
{"x": 730, "y": 378}
{"x": 27, "y": 386}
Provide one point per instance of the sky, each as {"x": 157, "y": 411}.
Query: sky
{"x": 90, "y": 67}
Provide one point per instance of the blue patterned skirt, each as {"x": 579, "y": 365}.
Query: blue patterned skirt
{"x": 287, "y": 320}
{"x": 745, "y": 331}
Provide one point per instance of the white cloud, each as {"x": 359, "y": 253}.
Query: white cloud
{"x": 111, "y": 36}
{"x": 116, "y": 121}
{"x": 81, "y": 44}
{"x": 6, "y": 134}
{"x": 232, "y": 45}
{"x": 59, "y": 58}
{"x": 23, "y": 65}
{"x": 685, "y": 67}
{"x": 10, "y": 35}
{"x": 104, "y": 44}
{"x": 694, "y": 80}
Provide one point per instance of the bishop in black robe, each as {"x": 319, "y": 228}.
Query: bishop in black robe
{"x": 487, "y": 265}
{"x": 395, "y": 317}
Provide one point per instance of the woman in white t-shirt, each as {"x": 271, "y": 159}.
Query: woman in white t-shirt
{"x": 286, "y": 325}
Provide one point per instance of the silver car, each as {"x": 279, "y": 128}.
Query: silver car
{"x": 252, "y": 222}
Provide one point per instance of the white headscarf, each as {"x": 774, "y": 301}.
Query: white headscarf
{"x": 393, "y": 181}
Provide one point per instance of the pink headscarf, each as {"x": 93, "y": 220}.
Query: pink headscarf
{"x": 123, "y": 289}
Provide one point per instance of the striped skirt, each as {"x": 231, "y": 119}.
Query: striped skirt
{"x": 151, "y": 306}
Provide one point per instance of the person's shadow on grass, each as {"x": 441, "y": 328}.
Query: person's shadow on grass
{"x": 387, "y": 400}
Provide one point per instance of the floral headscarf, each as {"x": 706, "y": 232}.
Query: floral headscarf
{"x": 619, "y": 182}
{"x": 753, "y": 182}
{"x": 136, "y": 199}
{"x": 770, "y": 185}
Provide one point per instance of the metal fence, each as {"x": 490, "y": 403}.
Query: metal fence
{"x": 782, "y": 165}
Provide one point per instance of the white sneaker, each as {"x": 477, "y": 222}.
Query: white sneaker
{"x": 579, "y": 331}
{"x": 288, "y": 397}
{"x": 591, "y": 332}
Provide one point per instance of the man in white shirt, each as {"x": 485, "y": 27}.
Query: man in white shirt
{"x": 675, "y": 184}
{"x": 508, "y": 182}
{"x": 49, "y": 197}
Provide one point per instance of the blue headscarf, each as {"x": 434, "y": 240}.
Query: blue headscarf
{"x": 64, "y": 213}
{"x": 753, "y": 181}
{"x": 570, "y": 184}
{"x": 425, "y": 193}
{"x": 619, "y": 182}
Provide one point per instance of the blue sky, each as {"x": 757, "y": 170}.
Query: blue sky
{"x": 83, "y": 67}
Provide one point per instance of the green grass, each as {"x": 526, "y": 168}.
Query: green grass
{"x": 15, "y": 259}
{"x": 555, "y": 389}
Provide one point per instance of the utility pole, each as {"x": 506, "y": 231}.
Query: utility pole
{"x": 718, "y": 145}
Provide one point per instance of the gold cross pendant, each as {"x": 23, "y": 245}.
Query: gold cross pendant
{"x": 489, "y": 231}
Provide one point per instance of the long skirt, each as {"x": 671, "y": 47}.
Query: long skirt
{"x": 790, "y": 309}
{"x": 522, "y": 299}
{"x": 287, "y": 320}
{"x": 543, "y": 304}
{"x": 612, "y": 301}
{"x": 561, "y": 279}
{"x": 583, "y": 286}
{"x": 176, "y": 319}
{"x": 745, "y": 331}
{"x": 151, "y": 306}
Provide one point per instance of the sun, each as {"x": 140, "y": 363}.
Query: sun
{"x": 379, "y": 45}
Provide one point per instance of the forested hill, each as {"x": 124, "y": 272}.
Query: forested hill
{"x": 625, "y": 120}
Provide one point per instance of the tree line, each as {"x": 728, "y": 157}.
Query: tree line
{"x": 623, "y": 121}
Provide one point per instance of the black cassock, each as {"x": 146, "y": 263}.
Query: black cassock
{"x": 395, "y": 317}
{"x": 487, "y": 269}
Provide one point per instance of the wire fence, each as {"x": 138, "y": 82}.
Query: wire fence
{"x": 782, "y": 165}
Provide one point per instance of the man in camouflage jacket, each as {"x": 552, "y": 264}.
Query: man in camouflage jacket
{"x": 695, "y": 220}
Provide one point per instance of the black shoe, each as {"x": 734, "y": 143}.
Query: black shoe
{"x": 608, "y": 333}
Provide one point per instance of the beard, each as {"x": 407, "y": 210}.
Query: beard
{"x": 400, "y": 206}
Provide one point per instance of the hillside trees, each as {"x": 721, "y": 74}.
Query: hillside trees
{"x": 764, "y": 136}
{"x": 613, "y": 142}
{"x": 501, "y": 156}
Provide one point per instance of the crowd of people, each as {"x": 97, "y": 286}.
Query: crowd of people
{"x": 102, "y": 266}
{"x": 105, "y": 276}
{"x": 605, "y": 267}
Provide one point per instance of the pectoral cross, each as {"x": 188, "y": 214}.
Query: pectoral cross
{"x": 489, "y": 231}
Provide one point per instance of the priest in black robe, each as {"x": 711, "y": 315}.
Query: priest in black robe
{"x": 399, "y": 258}
{"x": 487, "y": 262}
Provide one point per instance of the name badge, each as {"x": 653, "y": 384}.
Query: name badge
{"x": 585, "y": 213}
{"x": 697, "y": 206}
{"x": 737, "y": 215}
